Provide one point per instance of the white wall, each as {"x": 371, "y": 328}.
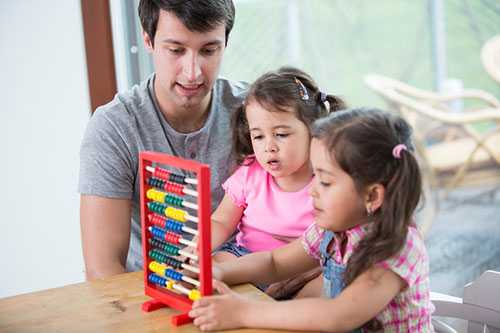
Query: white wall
{"x": 44, "y": 107}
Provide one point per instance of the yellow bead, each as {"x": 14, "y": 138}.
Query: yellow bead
{"x": 170, "y": 284}
{"x": 152, "y": 266}
{"x": 194, "y": 294}
{"x": 176, "y": 214}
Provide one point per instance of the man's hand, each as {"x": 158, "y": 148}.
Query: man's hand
{"x": 221, "y": 312}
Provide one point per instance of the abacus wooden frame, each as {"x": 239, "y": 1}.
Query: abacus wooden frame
{"x": 163, "y": 297}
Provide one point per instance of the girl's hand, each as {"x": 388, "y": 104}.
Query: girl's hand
{"x": 216, "y": 273}
{"x": 221, "y": 312}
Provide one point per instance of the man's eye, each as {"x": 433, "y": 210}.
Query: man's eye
{"x": 175, "y": 50}
{"x": 282, "y": 135}
{"x": 209, "y": 51}
{"x": 324, "y": 184}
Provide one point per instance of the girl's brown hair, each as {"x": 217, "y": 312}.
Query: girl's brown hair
{"x": 361, "y": 141}
{"x": 283, "y": 90}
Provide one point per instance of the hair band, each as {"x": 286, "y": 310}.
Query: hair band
{"x": 396, "y": 151}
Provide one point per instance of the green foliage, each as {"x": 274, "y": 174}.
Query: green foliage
{"x": 339, "y": 41}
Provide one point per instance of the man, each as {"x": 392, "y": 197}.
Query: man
{"x": 182, "y": 109}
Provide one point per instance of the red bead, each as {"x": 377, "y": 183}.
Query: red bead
{"x": 157, "y": 220}
{"x": 172, "y": 238}
{"x": 161, "y": 173}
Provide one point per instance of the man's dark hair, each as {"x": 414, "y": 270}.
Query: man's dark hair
{"x": 196, "y": 15}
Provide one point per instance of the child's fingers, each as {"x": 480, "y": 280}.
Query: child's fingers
{"x": 208, "y": 327}
{"x": 202, "y": 321}
{"x": 221, "y": 287}
{"x": 202, "y": 302}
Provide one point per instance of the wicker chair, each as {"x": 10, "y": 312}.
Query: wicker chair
{"x": 454, "y": 148}
{"x": 490, "y": 57}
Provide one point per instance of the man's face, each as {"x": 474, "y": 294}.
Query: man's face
{"x": 186, "y": 62}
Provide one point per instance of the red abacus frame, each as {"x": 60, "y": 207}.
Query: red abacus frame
{"x": 163, "y": 297}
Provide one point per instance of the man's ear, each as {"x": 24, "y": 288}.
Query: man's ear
{"x": 374, "y": 197}
{"x": 148, "y": 43}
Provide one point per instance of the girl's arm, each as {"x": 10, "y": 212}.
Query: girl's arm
{"x": 357, "y": 304}
{"x": 225, "y": 219}
{"x": 267, "y": 267}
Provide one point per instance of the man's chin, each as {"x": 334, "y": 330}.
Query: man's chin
{"x": 190, "y": 102}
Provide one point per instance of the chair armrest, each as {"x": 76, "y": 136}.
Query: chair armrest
{"x": 381, "y": 83}
{"x": 449, "y": 306}
{"x": 427, "y": 110}
{"x": 472, "y": 94}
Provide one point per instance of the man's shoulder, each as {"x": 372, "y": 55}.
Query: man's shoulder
{"x": 126, "y": 103}
{"x": 237, "y": 87}
{"x": 230, "y": 93}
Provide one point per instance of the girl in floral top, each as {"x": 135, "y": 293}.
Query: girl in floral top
{"x": 375, "y": 266}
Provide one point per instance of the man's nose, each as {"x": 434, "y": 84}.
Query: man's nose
{"x": 191, "y": 67}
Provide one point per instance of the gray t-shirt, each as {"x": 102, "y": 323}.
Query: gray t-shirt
{"x": 131, "y": 123}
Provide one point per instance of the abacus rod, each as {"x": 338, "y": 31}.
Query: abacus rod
{"x": 187, "y": 180}
{"x": 187, "y": 242}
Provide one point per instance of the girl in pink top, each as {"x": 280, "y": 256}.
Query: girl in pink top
{"x": 375, "y": 266}
{"x": 267, "y": 199}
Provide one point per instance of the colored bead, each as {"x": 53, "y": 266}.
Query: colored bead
{"x": 173, "y": 262}
{"x": 170, "y": 284}
{"x": 176, "y": 214}
{"x": 172, "y": 237}
{"x": 164, "y": 223}
{"x": 158, "y": 232}
{"x": 174, "y": 226}
{"x": 194, "y": 294}
{"x": 177, "y": 178}
{"x": 161, "y": 173}
{"x": 173, "y": 274}
{"x": 168, "y": 248}
{"x": 153, "y": 278}
{"x": 157, "y": 267}
{"x": 155, "y": 182}
{"x": 174, "y": 188}
{"x": 157, "y": 220}
{"x": 156, "y": 207}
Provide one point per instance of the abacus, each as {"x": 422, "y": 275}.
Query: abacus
{"x": 164, "y": 194}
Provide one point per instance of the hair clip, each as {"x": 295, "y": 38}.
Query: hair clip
{"x": 396, "y": 151}
{"x": 302, "y": 90}
{"x": 322, "y": 96}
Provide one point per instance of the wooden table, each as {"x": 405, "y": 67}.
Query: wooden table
{"x": 107, "y": 305}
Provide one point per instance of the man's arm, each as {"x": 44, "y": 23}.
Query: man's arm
{"x": 105, "y": 228}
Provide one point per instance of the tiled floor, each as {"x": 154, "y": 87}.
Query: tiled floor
{"x": 464, "y": 239}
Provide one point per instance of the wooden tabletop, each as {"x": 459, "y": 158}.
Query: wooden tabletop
{"x": 107, "y": 305}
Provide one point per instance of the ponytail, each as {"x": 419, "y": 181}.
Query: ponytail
{"x": 330, "y": 103}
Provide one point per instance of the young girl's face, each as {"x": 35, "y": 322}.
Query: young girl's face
{"x": 280, "y": 142}
{"x": 337, "y": 204}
